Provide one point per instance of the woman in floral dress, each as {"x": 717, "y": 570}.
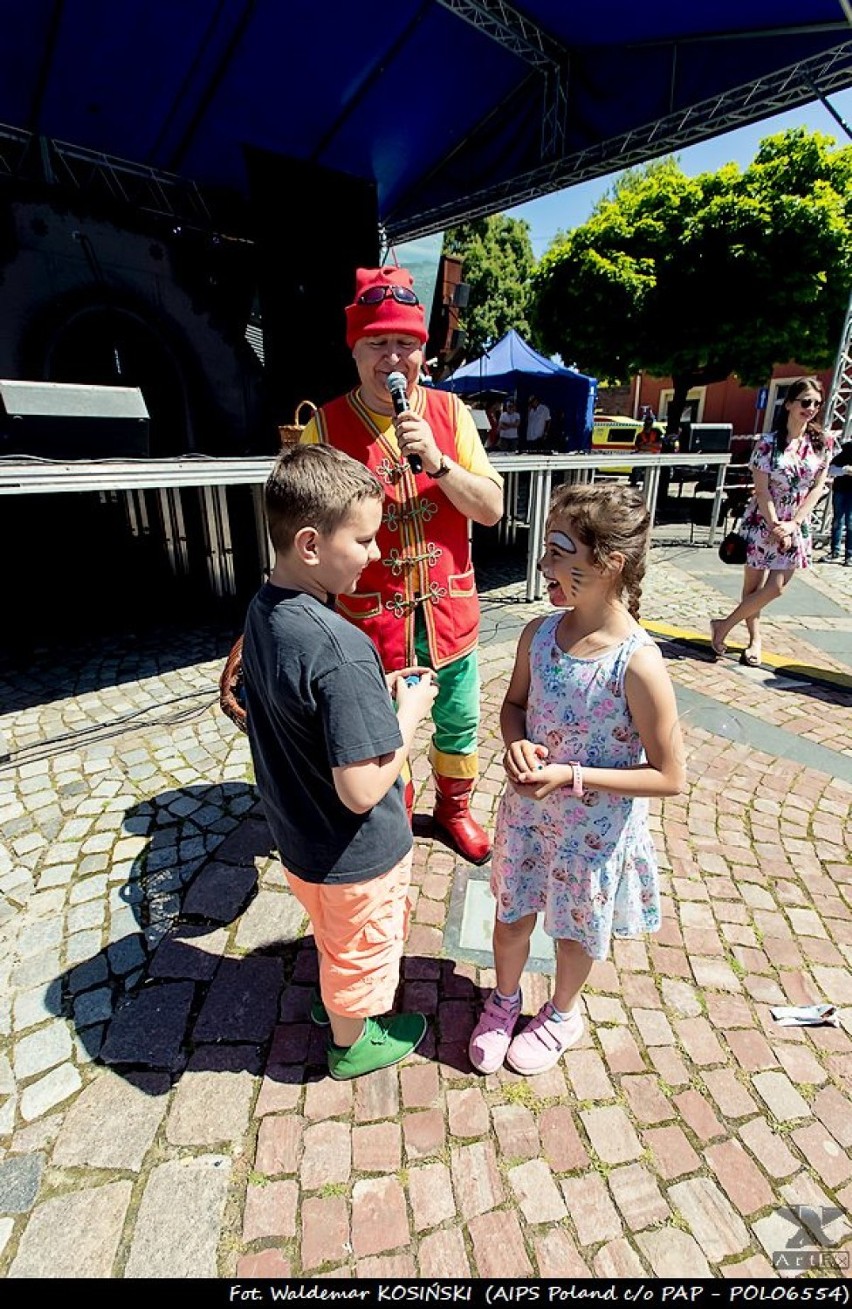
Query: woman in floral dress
{"x": 790, "y": 467}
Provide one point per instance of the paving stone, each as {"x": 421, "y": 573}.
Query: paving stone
{"x": 814, "y": 1210}
{"x": 443, "y": 1256}
{"x": 654, "y": 1027}
{"x": 377, "y": 1096}
{"x": 467, "y": 1112}
{"x": 561, "y": 1146}
{"x": 280, "y": 1090}
{"x": 781, "y": 1096}
{"x": 672, "y": 1153}
{"x": 419, "y": 1086}
{"x": 611, "y": 1134}
{"x": 557, "y": 1256}
{"x": 715, "y": 1225}
{"x": 325, "y": 1231}
{"x": 266, "y": 1264}
{"x": 620, "y": 1050}
{"x": 270, "y": 1210}
{"x": 647, "y": 1102}
{"x": 590, "y": 1208}
{"x": 389, "y": 1267}
{"x": 424, "y": 1133}
{"x": 730, "y": 1095}
{"x": 516, "y": 1131}
{"x": 137, "y": 1101}
{"x": 242, "y": 1001}
{"x": 279, "y": 1145}
{"x": 271, "y": 919}
{"x": 376, "y": 1148}
{"x": 700, "y": 1041}
{"x": 476, "y": 1179}
{"x": 326, "y": 1156}
{"x": 669, "y": 1065}
{"x": 588, "y": 1076}
{"x": 698, "y": 1116}
{"x": 44, "y": 1049}
{"x": 768, "y": 1148}
{"x": 744, "y": 1183}
{"x": 212, "y": 1104}
{"x": 800, "y": 1065}
{"x": 618, "y": 1259}
{"x": 780, "y": 1231}
{"x": 149, "y": 1030}
{"x": 20, "y": 1178}
{"x": 751, "y": 1050}
{"x": 498, "y": 1246}
{"x": 536, "y": 1192}
{"x": 637, "y": 1197}
{"x": 832, "y": 1109}
{"x": 823, "y": 1154}
{"x": 379, "y": 1216}
{"x": 431, "y": 1194}
{"x": 675, "y": 1254}
{"x": 74, "y": 1235}
{"x": 220, "y": 892}
{"x": 38, "y": 1098}
{"x": 189, "y": 952}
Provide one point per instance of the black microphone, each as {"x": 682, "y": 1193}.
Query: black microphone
{"x": 398, "y": 387}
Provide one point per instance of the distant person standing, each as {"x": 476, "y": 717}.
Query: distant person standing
{"x": 840, "y": 472}
{"x": 508, "y": 428}
{"x": 538, "y": 426}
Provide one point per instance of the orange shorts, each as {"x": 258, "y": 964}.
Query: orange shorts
{"x": 359, "y": 930}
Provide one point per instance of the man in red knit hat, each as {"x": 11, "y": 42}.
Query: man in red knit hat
{"x": 419, "y": 601}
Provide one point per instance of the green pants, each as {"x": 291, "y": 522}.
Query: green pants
{"x": 455, "y": 713}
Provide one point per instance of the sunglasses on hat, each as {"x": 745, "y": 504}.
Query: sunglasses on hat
{"x": 374, "y": 295}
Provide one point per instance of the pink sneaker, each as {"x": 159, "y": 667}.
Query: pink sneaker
{"x": 544, "y": 1040}
{"x": 490, "y": 1038}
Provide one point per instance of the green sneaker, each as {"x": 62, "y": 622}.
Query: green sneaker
{"x": 319, "y": 1013}
{"x": 383, "y": 1042}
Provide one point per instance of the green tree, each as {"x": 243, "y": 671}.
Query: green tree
{"x": 497, "y": 264}
{"x": 700, "y": 277}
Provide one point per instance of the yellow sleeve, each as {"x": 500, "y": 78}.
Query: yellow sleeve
{"x": 471, "y": 452}
{"x": 310, "y": 433}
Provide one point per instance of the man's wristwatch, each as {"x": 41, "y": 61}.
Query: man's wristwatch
{"x": 443, "y": 468}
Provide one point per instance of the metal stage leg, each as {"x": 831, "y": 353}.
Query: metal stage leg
{"x": 651, "y": 487}
{"x": 265, "y": 551}
{"x": 136, "y": 508}
{"x": 539, "y": 503}
{"x": 174, "y": 530}
{"x": 217, "y": 535}
{"x": 717, "y": 503}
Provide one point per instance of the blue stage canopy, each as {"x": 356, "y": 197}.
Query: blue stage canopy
{"x": 453, "y": 108}
{"x": 512, "y": 367}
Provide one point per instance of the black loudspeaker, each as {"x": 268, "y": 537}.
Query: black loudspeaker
{"x": 461, "y": 295}
{"x": 314, "y": 227}
{"x": 706, "y": 438}
{"x": 60, "y": 420}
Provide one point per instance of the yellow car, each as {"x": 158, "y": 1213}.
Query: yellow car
{"x": 614, "y": 432}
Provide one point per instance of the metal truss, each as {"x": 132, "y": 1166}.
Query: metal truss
{"x": 772, "y": 94}
{"x": 25, "y": 157}
{"x": 520, "y": 36}
{"x": 838, "y": 417}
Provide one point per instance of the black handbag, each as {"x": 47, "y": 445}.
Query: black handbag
{"x": 733, "y": 549}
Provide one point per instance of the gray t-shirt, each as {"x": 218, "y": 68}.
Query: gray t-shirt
{"x": 317, "y": 699}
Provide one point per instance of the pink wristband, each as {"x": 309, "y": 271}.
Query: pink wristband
{"x": 577, "y": 785}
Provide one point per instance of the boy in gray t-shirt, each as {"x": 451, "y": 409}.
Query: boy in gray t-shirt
{"x": 328, "y": 749}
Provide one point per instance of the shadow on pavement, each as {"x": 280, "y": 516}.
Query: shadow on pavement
{"x": 218, "y": 976}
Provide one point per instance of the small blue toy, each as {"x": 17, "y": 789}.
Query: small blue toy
{"x": 412, "y": 680}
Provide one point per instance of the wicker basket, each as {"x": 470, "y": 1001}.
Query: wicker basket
{"x": 231, "y": 698}
{"x": 290, "y": 432}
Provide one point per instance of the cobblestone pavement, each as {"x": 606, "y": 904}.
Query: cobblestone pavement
{"x": 163, "y": 1106}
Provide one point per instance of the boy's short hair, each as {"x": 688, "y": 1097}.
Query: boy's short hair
{"x": 314, "y": 486}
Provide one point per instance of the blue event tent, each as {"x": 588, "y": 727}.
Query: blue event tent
{"x": 512, "y": 366}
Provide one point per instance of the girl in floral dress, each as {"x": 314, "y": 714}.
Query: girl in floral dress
{"x": 590, "y": 727}
{"x": 790, "y": 467}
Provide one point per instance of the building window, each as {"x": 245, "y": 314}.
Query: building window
{"x": 693, "y": 410}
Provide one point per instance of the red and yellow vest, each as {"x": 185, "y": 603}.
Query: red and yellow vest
{"x": 425, "y": 565}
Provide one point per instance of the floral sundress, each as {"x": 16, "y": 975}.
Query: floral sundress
{"x": 791, "y": 477}
{"x": 588, "y": 864}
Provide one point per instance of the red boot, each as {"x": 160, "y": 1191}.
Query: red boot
{"x": 452, "y": 815}
{"x": 408, "y": 795}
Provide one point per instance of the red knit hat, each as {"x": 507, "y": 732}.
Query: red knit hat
{"x": 388, "y": 315}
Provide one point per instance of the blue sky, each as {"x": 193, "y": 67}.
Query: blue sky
{"x": 571, "y": 207}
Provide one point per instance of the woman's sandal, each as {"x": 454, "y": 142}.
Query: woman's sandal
{"x": 750, "y": 659}
{"x": 717, "y": 649}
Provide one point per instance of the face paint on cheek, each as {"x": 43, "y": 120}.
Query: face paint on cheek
{"x": 562, "y": 542}
{"x": 578, "y": 579}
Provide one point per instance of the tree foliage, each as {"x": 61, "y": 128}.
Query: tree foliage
{"x": 497, "y": 265}
{"x": 700, "y": 277}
